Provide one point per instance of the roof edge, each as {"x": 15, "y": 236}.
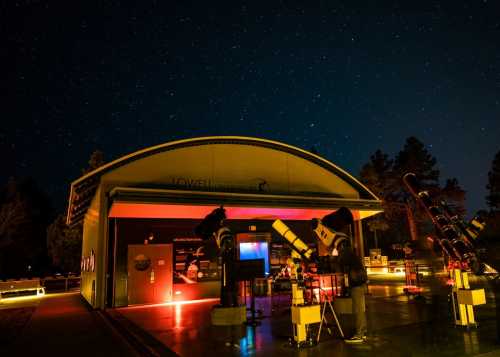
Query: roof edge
{"x": 136, "y": 155}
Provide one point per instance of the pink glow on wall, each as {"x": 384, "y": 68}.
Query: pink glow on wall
{"x": 146, "y": 210}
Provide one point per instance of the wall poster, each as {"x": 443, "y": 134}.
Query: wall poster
{"x": 194, "y": 261}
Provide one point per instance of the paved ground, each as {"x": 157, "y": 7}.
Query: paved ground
{"x": 60, "y": 325}
{"x": 12, "y": 322}
{"x": 398, "y": 326}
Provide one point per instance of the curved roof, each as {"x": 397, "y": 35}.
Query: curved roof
{"x": 83, "y": 189}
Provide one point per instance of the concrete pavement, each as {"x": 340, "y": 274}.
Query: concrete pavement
{"x": 398, "y": 326}
{"x": 62, "y": 325}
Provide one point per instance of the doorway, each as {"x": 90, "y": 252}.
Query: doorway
{"x": 149, "y": 273}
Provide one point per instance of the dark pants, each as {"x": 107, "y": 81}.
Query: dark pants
{"x": 359, "y": 309}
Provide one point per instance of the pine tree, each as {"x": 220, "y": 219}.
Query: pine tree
{"x": 25, "y": 212}
{"x": 376, "y": 175}
{"x": 493, "y": 187}
{"x": 14, "y": 213}
{"x": 415, "y": 158}
{"x": 384, "y": 178}
{"x": 96, "y": 160}
{"x": 454, "y": 196}
{"x": 64, "y": 245}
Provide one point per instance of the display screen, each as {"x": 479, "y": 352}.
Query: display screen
{"x": 256, "y": 250}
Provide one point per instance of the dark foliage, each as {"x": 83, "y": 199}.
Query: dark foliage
{"x": 25, "y": 212}
{"x": 493, "y": 187}
{"x": 96, "y": 160}
{"x": 383, "y": 176}
{"x": 454, "y": 196}
{"x": 64, "y": 245}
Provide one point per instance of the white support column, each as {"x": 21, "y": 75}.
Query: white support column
{"x": 359, "y": 245}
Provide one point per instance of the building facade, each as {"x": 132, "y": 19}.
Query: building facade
{"x": 139, "y": 213}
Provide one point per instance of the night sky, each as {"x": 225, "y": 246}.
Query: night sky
{"x": 83, "y": 75}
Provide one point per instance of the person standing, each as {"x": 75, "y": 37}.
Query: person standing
{"x": 356, "y": 277}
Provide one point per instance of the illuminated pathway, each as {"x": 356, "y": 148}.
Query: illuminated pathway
{"x": 63, "y": 326}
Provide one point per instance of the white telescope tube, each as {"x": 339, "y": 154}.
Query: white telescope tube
{"x": 325, "y": 235}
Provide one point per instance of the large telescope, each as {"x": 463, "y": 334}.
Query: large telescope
{"x": 303, "y": 315}
{"x": 297, "y": 244}
{"x": 455, "y": 236}
{"x": 327, "y": 229}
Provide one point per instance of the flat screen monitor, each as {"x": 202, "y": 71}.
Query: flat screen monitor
{"x": 256, "y": 250}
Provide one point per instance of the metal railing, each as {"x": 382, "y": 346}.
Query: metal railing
{"x": 61, "y": 283}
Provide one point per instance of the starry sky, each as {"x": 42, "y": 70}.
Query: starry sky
{"x": 345, "y": 78}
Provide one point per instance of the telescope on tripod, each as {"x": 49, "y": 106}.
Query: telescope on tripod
{"x": 456, "y": 237}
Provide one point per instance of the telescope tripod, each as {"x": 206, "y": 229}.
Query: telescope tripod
{"x": 325, "y": 304}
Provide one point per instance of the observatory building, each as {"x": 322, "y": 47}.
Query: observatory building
{"x": 139, "y": 214}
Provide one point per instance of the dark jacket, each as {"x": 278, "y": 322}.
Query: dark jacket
{"x": 353, "y": 267}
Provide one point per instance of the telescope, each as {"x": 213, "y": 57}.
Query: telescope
{"x": 295, "y": 242}
{"x": 211, "y": 223}
{"x": 328, "y": 232}
{"x": 328, "y": 228}
{"x": 454, "y": 235}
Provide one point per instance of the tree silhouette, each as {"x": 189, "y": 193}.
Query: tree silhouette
{"x": 454, "y": 196}
{"x": 415, "y": 158}
{"x": 13, "y": 215}
{"x": 96, "y": 160}
{"x": 383, "y": 177}
{"x": 24, "y": 214}
{"x": 493, "y": 187}
{"x": 377, "y": 175}
{"x": 64, "y": 245}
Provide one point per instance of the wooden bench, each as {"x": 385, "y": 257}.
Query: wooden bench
{"x": 19, "y": 288}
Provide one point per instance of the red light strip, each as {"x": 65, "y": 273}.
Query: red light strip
{"x": 146, "y": 210}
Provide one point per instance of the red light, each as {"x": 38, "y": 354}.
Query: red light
{"x": 146, "y": 210}
{"x": 178, "y": 315}
{"x": 413, "y": 288}
{"x": 178, "y": 292}
{"x": 172, "y": 303}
